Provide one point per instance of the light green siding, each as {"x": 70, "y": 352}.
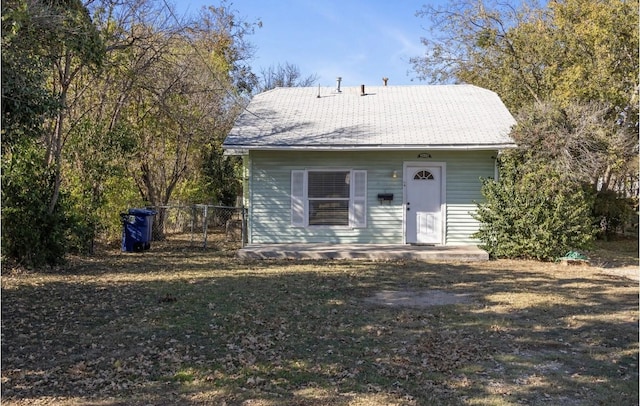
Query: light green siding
{"x": 463, "y": 190}
{"x": 269, "y": 184}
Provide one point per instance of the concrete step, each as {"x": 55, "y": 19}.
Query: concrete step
{"x": 376, "y": 252}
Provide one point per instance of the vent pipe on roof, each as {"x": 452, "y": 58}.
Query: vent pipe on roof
{"x": 384, "y": 80}
{"x": 362, "y": 93}
{"x": 338, "y": 80}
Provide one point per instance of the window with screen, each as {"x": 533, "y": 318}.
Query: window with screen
{"x": 328, "y": 198}
{"x": 329, "y": 195}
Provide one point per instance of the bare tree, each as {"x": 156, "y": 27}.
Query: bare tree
{"x": 284, "y": 75}
{"x": 579, "y": 141}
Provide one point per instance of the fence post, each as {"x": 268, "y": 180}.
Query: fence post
{"x": 193, "y": 221}
{"x": 243, "y": 226}
{"x": 204, "y": 226}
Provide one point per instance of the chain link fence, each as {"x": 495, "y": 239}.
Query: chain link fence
{"x": 200, "y": 225}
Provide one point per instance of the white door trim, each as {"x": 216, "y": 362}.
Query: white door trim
{"x": 443, "y": 196}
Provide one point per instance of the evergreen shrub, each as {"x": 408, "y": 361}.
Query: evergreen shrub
{"x": 533, "y": 212}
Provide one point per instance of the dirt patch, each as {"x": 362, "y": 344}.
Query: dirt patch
{"x": 419, "y": 299}
{"x": 625, "y": 272}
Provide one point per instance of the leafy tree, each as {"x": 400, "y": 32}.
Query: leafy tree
{"x": 186, "y": 101}
{"x": 165, "y": 96}
{"x": 78, "y": 47}
{"x": 128, "y": 100}
{"x": 97, "y": 129}
{"x": 168, "y": 92}
{"x": 570, "y": 50}
{"x": 26, "y": 101}
{"x": 595, "y": 51}
{"x": 35, "y": 36}
{"x": 221, "y": 174}
{"x": 569, "y": 69}
{"x": 532, "y": 211}
{"x": 491, "y": 44}
{"x": 95, "y": 159}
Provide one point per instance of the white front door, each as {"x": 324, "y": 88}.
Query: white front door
{"x": 423, "y": 204}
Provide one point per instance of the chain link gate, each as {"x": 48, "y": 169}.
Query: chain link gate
{"x": 199, "y": 224}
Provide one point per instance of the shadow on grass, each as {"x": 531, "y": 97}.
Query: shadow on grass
{"x": 194, "y": 327}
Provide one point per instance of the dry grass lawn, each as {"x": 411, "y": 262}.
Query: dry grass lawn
{"x": 180, "y": 325}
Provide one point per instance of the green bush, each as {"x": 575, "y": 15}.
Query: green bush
{"x": 532, "y": 212}
{"x": 611, "y": 213}
{"x": 31, "y": 234}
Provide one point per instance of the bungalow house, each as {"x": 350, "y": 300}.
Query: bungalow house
{"x": 381, "y": 165}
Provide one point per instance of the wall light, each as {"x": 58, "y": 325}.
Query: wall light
{"x": 394, "y": 174}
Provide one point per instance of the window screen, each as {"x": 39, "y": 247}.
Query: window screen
{"x": 328, "y": 194}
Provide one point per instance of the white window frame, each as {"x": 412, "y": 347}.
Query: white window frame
{"x": 357, "y": 198}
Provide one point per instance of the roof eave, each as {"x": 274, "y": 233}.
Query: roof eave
{"x": 244, "y": 149}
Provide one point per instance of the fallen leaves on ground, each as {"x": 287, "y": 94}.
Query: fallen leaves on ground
{"x": 193, "y": 327}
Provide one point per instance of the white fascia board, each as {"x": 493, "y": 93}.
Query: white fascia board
{"x": 243, "y": 150}
{"x": 235, "y": 151}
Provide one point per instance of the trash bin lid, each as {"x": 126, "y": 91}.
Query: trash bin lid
{"x": 142, "y": 212}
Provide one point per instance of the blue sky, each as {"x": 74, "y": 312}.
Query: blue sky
{"x": 359, "y": 40}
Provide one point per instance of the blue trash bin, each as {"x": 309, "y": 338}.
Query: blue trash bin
{"x": 137, "y": 229}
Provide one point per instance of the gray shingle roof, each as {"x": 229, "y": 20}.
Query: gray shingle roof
{"x": 387, "y": 117}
